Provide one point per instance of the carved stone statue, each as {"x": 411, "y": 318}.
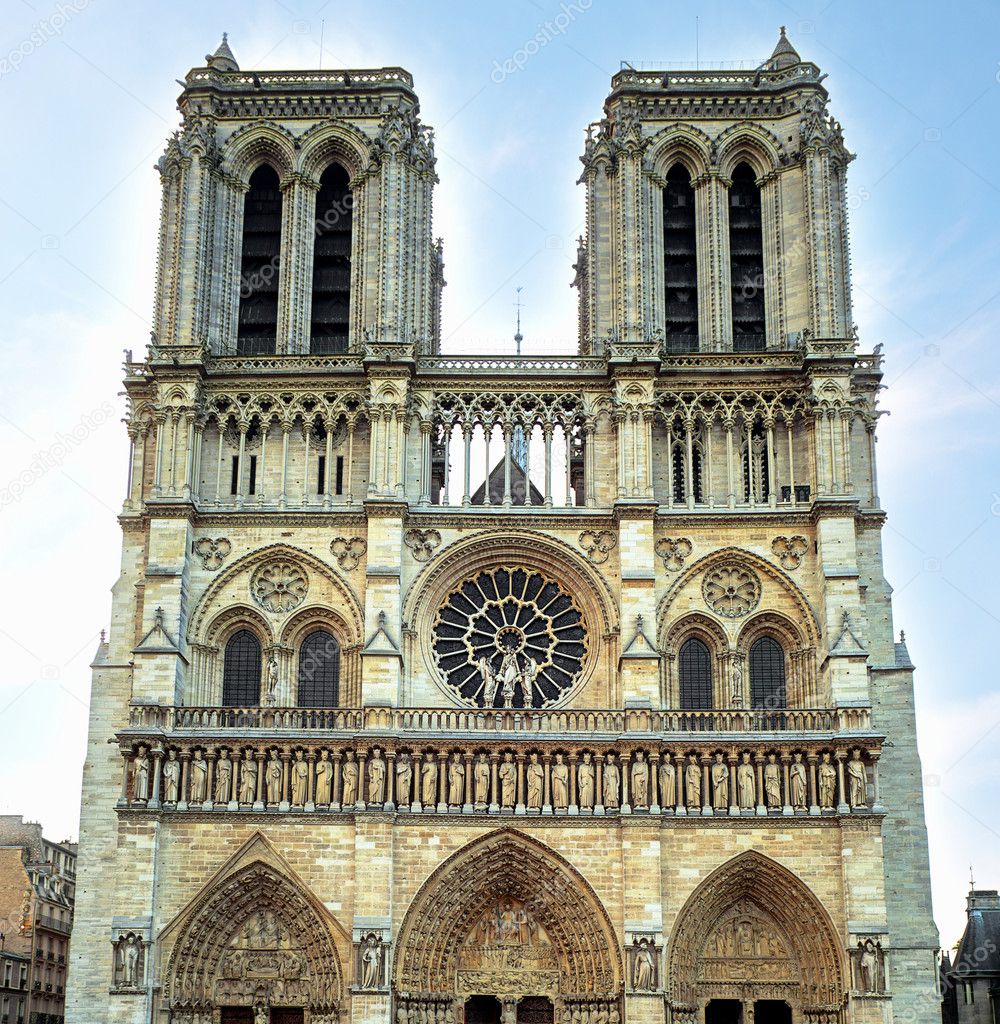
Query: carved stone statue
{"x": 489, "y": 682}
{"x": 772, "y": 782}
{"x": 300, "y": 780}
{"x": 271, "y": 684}
{"x": 324, "y": 778}
{"x": 350, "y": 781}
{"x": 404, "y": 777}
{"x": 746, "y": 784}
{"x": 199, "y": 777}
{"x": 456, "y": 781}
{"x": 643, "y": 966}
{"x": 736, "y": 696}
{"x": 585, "y": 782}
{"x": 140, "y": 774}
{"x": 668, "y": 782}
{"x": 827, "y": 783}
{"x": 560, "y": 783}
{"x": 371, "y": 962}
{"x": 797, "y": 783}
{"x": 171, "y": 778}
{"x": 223, "y": 777}
{"x": 272, "y": 778}
{"x": 128, "y": 961}
{"x": 857, "y": 780}
{"x": 376, "y": 778}
{"x": 481, "y": 782}
{"x": 510, "y": 674}
{"x": 692, "y": 779}
{"x": 508, "y": 781}
{"x": 640, "y": 780}
{"x": 536, "y": 780}
{"x": 612, "y": 782}
{"x": 248, "y": 778}
{"x": 720, "y": 784}
{"x": 528, "y": 675}
{"x": 870, "y": 966}
{"x": 428, "y": 781}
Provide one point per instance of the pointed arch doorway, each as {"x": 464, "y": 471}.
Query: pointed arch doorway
{"x": 507, "y": 932}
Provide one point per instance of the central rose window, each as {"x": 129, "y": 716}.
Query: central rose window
{"x": 510, "y": 638}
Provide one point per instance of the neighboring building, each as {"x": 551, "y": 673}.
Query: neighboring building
{"x": 37, "y": 892}
{"x": 475, "y": 688}
{"x": 971, "y": 980}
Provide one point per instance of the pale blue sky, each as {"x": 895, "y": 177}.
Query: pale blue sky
{"x": 87, "y": 97}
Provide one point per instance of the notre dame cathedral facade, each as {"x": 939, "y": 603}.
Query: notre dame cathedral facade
{"x": 455, "y": 689}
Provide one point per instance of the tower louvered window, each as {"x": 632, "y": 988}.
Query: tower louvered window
{"x": 746, "y": 256}
{"x": 680, "y": 264}
{"x": 319, "y": 671}
{"x": 331, "y": 295}
{"x": 241, "y": 671}
{"x": 695, "y": 675}
{"x": 767, "y": 675}
{"x": 260, "y": 264}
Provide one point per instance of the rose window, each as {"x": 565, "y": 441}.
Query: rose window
{"x": 510, "y": 637}
{"x": 731, "y": 590}
{"x": 279, "y": 586}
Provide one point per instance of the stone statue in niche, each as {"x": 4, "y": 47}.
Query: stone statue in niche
{"x": 350, "y": 781}
{"x": 536, "y": 780}
{"x": 643, "y": 965}
{"x": 736, "y": 695}
{"x": 489, "y": 682}
{"x": 300, "y": 780}
{"x": 272, "y": 778}
{"x": 612, "y": 783}
{"x": 248, "y": 778}
{"x": 199, "y": 777}
{"x": 271, "y": 683}
{"x": 171, "y": 778}
{"x": 428, "y": 781}
{"x": 585, "y": 782}
{"x": 140, "y": 774}
{"x": 560, "y": 783}
{"x": 668, "y": 782}
{"x": 746, "y": 784}
{"x": 376, "y": 778}
{"x": 456, "y": 781}
{"x": 404, "y": 778}
{"x": 692, "y": 779}
{"x": 797, "y": 783}
{"x": 772, "y": 782}
{"x": 372, "y": 958}
{"x": 827, "y": 783}
{"x": 720, "y": 784}
{"x": 640, "y": 781}
{"x": 223, "y": 777}
{"x": 869, "y": 966}
{"x": 857, "y": 780}
{"x": 481, "y": 781}
{"x": 508, "y": 781}
{"x": 129, "y": 959}
{"x": 324, "y": 779}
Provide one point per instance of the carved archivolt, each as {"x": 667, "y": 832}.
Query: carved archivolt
{"x": 467, "y": 930}
{"x": 255, "y": 935}
{"x": 752, "y": 929}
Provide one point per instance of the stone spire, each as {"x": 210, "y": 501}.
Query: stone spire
{"x": 785, "y": 55}
{"x": 222, "y": 59}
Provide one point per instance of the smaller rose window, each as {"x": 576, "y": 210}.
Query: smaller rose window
{"x": 279, "y": 586}
{"x": 731, "y": 590}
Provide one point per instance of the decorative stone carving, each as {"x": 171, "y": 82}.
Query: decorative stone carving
{"x": 746, "y": 784}
{"x": 376, "y": 779}
{"x": 198, "y": 777}
{"x": 560, "y": 784}
{"x": 585, "y": 783}
{"x": 692, "y": 782}
{"x": 508, "y": 782}
{"x": 857, "y": 781}
{"x": 428, "y": 782}
{"x": 271, "y": 682}
{"x": 868, "y": 961}
{"x": 456, "y": 781}
{"x": 348, "y": 551}
{"x": 481, "y": 782}
{"x": 272, "y": 778}
{"x": 223, "y": 777}
{"x": 612, "y": 784}
{"x": 772, "y": 782}
{"x": 279, "y": 585}
{"x": 300, "y": 780}
{"x": 668, "y": 782}
{"x": 213, "y": 552}
{"x": 129, "y": 962}
{"x": 171, "y": 778}
{"x": 640, "y": 781}
{"x": 797, "y": 783}
{"x": 140, "y": 775}
{"x": 827, "y": 783}
{"x": 324, "y": 780}
{"x": 643, "y": 964}
{"x": 720, "y": 783}
{"x": 404, "y": 779}
{"x": 674, "y": 552}
{"x": 536, "y": 781}
{"x": 422, "y": 543}
{"x": 350, "y": 781}
{"x": 371, "y": 962}
{"x": 509, "y": 636}
{"x": 731, "y": 590}
{"x": 789, "y": 551}
{"x": 248, "y": 778}
{"x": 598, "y": 545}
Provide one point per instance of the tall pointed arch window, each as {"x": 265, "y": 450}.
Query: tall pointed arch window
{"x": 319, "y": 671}
{"x": 331, "y": 294}
{"x": 680, "y": 262}
{"x": 767, "y": 675}
{"x": 241, "y": 671}
{"x": 695, "y": 675}
{"x": 746, "y": 261}
{"x": 260, "y": 263}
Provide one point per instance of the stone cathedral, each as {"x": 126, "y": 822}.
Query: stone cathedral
{"x": 465, "y": 689}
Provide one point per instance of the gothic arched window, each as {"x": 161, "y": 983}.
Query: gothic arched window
{"x": 695, "y": 675}
{"x": 331, "y": 294}
{"x": 767, "y": 675}
{"x": 680, "y": 262}
{"x": 746, "y": 261}
{"x": 241, "y": 670}
{"x": 319, "y": 671}
{"x": 259, "y": 264}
